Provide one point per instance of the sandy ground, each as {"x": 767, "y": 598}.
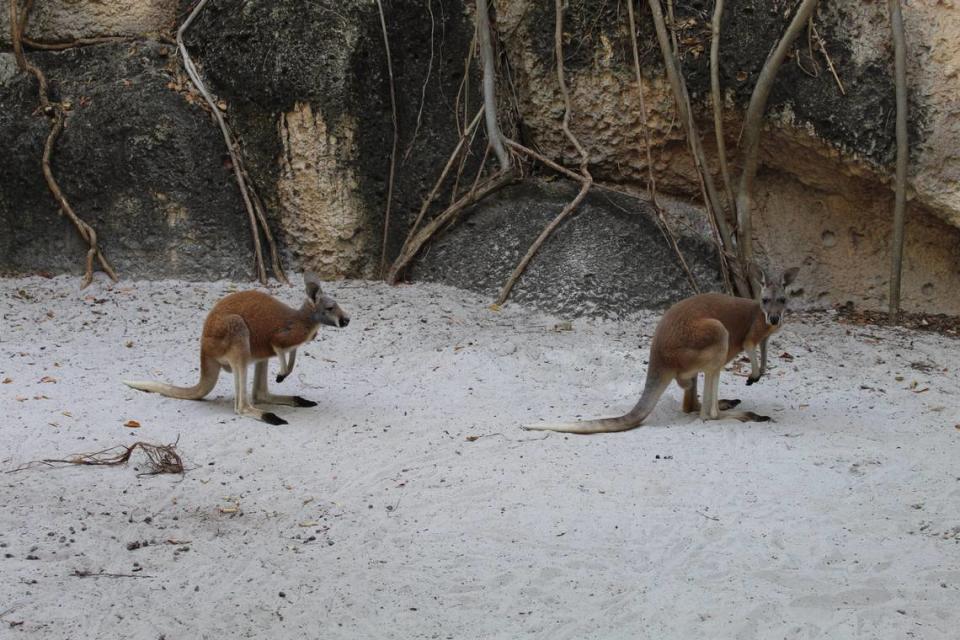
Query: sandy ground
{"x": 377, "y": 515}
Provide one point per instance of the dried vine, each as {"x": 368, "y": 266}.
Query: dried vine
{"x": 56, "y": 112}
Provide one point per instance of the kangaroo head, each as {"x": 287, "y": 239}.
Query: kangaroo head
{"x": 773, "y": 294}
{"x": 323, "y": 309}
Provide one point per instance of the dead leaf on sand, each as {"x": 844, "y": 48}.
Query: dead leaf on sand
{"x": 132, "y": 424}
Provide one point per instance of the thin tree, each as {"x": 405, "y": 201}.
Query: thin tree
{"x": 903, "y": 151}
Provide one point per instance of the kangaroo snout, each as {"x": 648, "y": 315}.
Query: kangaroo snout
{"x": 344, "y": 321}
{"x": 775, "y": 320}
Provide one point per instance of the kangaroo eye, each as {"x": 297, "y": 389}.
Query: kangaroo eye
{"x": 782, "y": 300}
{"x": 766, "y": 301}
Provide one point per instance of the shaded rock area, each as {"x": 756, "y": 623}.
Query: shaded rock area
{"x": 608, "y": 259}
{"x": 137, "y": 161}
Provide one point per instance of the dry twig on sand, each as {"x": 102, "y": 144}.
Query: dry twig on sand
{"x": 161, "y": 458}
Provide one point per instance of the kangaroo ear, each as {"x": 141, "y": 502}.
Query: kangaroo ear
{"x": 312, "y": 283}
{"x": 758, "y": 274}
{"x": 789, "y": 276}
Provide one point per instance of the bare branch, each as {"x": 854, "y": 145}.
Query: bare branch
{"x": 903, "y": 153}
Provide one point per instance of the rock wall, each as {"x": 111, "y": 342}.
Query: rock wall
{"x": 138, "y": 161}
{"x": 305, "y": 87}
{"x": 826, "y": 158}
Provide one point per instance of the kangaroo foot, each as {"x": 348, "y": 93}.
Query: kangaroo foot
{"x": 727, "y": 404}
{"x": 272, "y": 418}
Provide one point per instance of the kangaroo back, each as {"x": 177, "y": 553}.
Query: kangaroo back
{"x": 656, "y": 383}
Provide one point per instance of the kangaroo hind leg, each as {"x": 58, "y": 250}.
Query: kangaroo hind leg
{"x": 262, "y": 396}
{"x": 238, "y": 358}
{"x": 691, "y": 403}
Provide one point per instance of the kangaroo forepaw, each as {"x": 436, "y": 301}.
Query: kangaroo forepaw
{"x": 752, "y": 379}
{"x": 272, "y": 418}
{"x": 281, "y": 377}
{"x": 303, "y": 402}
{"x": 727, "y": 404}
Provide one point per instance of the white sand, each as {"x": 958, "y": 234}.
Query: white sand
{"x": 377, "y": 518}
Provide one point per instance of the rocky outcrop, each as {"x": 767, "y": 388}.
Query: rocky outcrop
{"x": 824, "y": 182}
{"x": 305, "y": 88}
{"x": 609, "y": 258}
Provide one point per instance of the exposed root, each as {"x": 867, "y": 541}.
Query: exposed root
{"x": 586, "y": 180}
{"x": 255, "y": 215}
{"x": 718, "y": 107}
{"x": 484, "y": 39}
{"x": 393, "y": 152}
{"x": 423, "y": 88}
{"x": 394, "y": 273}
{"x": 823, "y": 50}
{"x": 711, "y": 198}
{"x": 652, "y": 181}
{"x": 447, "y": 216}
{"x": 56, "y": 112}
{"x": 39, "y": 45}
{"x": 753, "y": 121}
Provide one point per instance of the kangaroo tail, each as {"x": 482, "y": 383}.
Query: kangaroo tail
{"x": 656, "y": 384}
{"x": 209, "y": 372}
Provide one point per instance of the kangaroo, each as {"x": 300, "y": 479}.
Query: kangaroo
{"x": 252, "y": 327}
{"x": 701, "y": 334}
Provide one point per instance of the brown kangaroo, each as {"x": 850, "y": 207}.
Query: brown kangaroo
{"x": 701, "y": 334}
{"x": 252, "y": 327}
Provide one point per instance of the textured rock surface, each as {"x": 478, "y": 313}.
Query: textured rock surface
{"x": 305, "y": 87}
{"x": 608, "y": 258}
{"x": 136, "y": 160}
{"x": 307, "y": 83}
{"x": 825, "y": 156}
{"x": 63, "y": 20}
